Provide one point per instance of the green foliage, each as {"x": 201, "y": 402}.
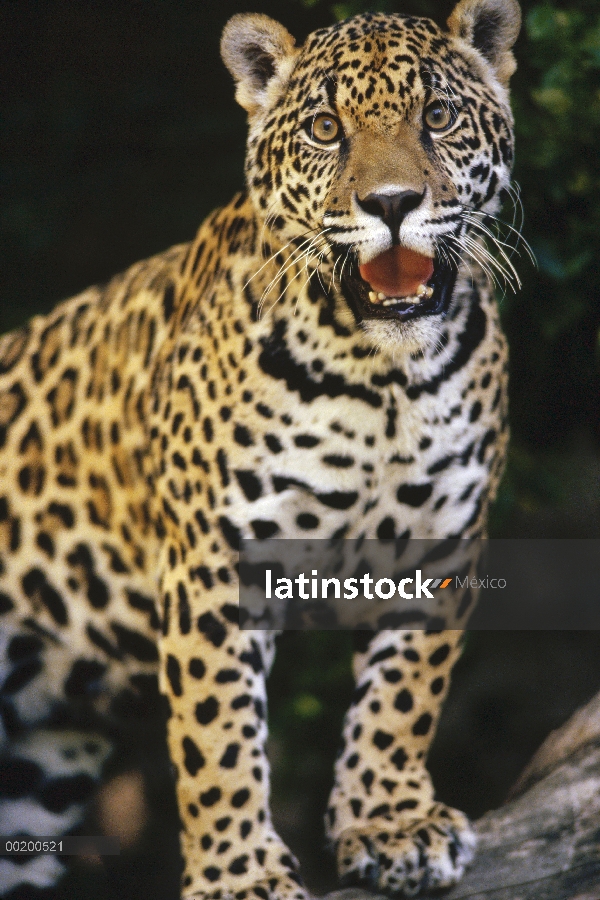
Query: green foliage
{"x": 553, "y": 325}
{"x": 557, "y": 111}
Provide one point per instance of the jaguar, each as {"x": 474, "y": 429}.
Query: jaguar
{"x": 323, "y": 360}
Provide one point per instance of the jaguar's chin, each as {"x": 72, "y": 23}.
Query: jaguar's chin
{"x": 399, "y": 288}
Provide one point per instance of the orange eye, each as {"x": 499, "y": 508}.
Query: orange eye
{"x": 438, "y": 116}
{"x": 325, "y": 129}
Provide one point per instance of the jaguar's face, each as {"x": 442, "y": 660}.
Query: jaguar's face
{"x": 382, "y": 146}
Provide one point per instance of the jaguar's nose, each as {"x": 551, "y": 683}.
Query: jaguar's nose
{"x": 392, "y": 209}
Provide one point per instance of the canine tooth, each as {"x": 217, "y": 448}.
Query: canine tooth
{"x": 372, "y": 296}
{"x": 424, "y": 291}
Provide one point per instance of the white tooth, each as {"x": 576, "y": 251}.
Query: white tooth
{"x": 424, "y": 291}
{"x": 372, "y": 296}
{"x": 390, "y": 302}
{"x": 381, "y": 296}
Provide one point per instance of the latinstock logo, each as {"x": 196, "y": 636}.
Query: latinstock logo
{"x": 483, "y": 584}
{"x": 385, "y": 588}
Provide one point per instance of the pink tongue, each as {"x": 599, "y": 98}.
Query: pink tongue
{"x": 398, "y": 272}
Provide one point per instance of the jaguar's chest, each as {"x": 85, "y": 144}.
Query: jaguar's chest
{"x": 344, "y": 466}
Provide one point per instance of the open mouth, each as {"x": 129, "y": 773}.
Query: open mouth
{"x": 400, "y": 284}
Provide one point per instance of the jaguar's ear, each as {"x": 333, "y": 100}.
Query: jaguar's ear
{"x": 491, "y": 27}
{"x": 259, "y": 53}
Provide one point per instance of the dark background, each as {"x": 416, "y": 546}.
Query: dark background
{"x": 118, "y": 133}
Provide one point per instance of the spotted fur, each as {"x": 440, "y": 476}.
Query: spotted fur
{"x": 235, "y": 387}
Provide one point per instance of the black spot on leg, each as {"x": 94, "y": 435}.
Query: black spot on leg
{"x": 18, "y": 777}
{"x": 386, "y": 530}
{"x": 102, "y": 642}
{"x": 212, "y": 629}
{"x": 406, "y": 804}
{"x": 230, "y": 532}
{"x": 134, "y": 644}
{"x": 382, "y": 810}
{"x": 422, "y": 725}
{"x": 168, "y": 303}
{"x": 207, "y": 710}
{"x": 382, "y": 740}
{"x": 185, "y": 616}
{"x": 367, "y": 778}
{"x": 399, "y": 758}
{"x": 226, "y": 676}
{"x": 204, "y": 574}
{"x": 437, "y": 685}
{"x": 36, "y": 586}
{"x": 174, "y": 675}
{"x": 84, "y": 678}
{"x": 404, "y": 701}
{"x": 253, "y": 658}
{"x": 193, "y": 759}
{"x": 196, "y": 668}
{"x": 307, "y": 521}
{"x": 22, "y": 675}
{"x": 382, "y": 655}
{"x": 239, "y": 865}
{"x": 61, "y": 793}
{"x": 230, "y": 756}
{"x": 242, "y": 701}
{"x": 440, "y": 655}
{"x": 24, "y": 646}
{"x": 212, "y": 873}
{"x": 242, "y": 436}
{"x": 360, "y": 692}
{"x": 6, "y": 604}
{"x": 475, "y": 411}
{"x": 240, "y": 798}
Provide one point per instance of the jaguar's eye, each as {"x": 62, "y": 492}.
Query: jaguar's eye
{"x": 438, "y": 116}
{"x": 324, "y": 129}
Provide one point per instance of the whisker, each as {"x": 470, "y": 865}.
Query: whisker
{"x": 274, "y": 304}
{"x": 294, "y": 257}
{"x": 306, "y": 250}
{"x": 273, "y": 255}
{"x": 346, "y": 258}
{"x": 499, "y": 245}
{"x": 500, "y": 223}
{"x": 487, "y": 262}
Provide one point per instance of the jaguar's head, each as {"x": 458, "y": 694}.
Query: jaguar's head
{"x": 378, "y": 150}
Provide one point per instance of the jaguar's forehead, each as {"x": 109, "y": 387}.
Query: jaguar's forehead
{"x": 376, "y": 61}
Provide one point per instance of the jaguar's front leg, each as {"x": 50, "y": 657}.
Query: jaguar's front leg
{"x": 214, "y": 676}
{"x": 388, "y": 830}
